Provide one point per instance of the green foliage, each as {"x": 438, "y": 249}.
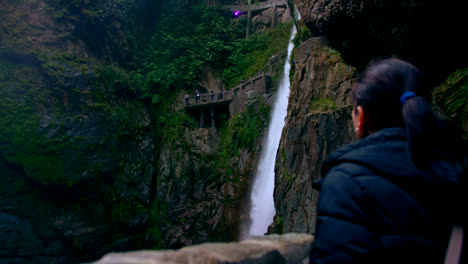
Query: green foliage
{"x": 107, "y": 26}
{"x": 251, "y": 55}
{"x": 185, "y": 39}
{"x": 182, "y": 40}
{"x": 58, "y": 65}
{"x": 117, "y": 81}
{"x": 286, "y": 176}
{"x": 280, "y": 165}
{"x": 242, "y": 131}
{"x": 322, "y": 104}
{"x": 303, "y": 33}
{"x": 91, "y": 10}
{"x": 123, "y": 209}
{"x": 20, "y": 141}
{"x": 334, "y": 54}
{"x": 278, "y": 221}
{"x": 452, "y": 97}
{"x": 158, "y": 214}
{"x": 62, "y": 158}
{"x": 173, "y": 123}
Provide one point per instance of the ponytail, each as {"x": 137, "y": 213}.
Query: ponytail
{"x": 424, "y": 130}
{"x": 395, "y": 93}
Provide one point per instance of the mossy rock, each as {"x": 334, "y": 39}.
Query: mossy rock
{"x": 318, "y": 105}
{"x": 452, "y": 98}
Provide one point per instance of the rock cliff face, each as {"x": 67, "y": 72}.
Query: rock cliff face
{"x": 201, "y": 199}
{"x": 263, "y": 20}
{"x": 85, "y": 172}
{"x": 318, "y": 122}
{"x": 319, "y": 110}
{"x": 363, "y": 30}
{"x": 76, "y": 162}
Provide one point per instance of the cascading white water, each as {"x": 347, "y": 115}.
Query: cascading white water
{"x": 262, "y": 208}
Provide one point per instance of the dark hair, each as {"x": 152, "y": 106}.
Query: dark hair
{"x": 378, "y": 91}
{"x": 379, "y": 88}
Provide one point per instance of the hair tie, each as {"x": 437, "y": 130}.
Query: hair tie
{"x": 405, "y": 96}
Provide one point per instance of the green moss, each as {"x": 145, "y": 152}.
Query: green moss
{"x": 452, "y": 97}
{"x": 22, "y": 145}
{"x": 172, "y": 123}
{"x": 59, "y": 64}
{"x": 322, "y": 105}
{"x": 303, "y": 33}
{"x": 124, "y": 209}
{"x": 63, "y": 158}
{"x": 158, "y": 217}
{"x": 251, "y": 55}
{"x": 332, "y": 52}
{"x": 286, "y": 176}
{"x": 278, "y": 220}
{"x": 242, "y": 132}
{"x": 280, "y": 165}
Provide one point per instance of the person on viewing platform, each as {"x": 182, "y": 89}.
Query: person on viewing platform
{"x": 212, "y": 95}
{"x": 220, "y": 95}
{"x": 395, "y": 195}
{"x": 197, "y": 96}
{"x": 186, "y": 99}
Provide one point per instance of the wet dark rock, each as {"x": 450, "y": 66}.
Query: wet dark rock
{"x": 17, "y": 235}
{"x": 425, "y": 32}
{"x": 117, "y": 178}
{"x": 318, "y": 122}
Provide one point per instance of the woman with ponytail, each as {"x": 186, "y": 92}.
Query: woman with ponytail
{"x": 393, "y": 196}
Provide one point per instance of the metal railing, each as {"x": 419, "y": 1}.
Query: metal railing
{"x": 218, "y": 97}
{"x": 209, "y": 98}
{"x": 254, "y": 7}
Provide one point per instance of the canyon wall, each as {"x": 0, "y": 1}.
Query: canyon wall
{"x": 87, "y": 167}
{"x": 319, "y": 111}
{"x": 425, "y": 32}
{"x": 318, "y": 122}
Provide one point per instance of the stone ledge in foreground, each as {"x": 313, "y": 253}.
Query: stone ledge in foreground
{"x": 286, "y": 248}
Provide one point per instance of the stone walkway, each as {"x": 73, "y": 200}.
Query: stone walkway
{"x": 253, "y": 7}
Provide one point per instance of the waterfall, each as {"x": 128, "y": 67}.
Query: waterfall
{"x": 262, "y": 209}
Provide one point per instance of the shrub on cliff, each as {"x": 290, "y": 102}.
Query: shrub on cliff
{"x": 452, "y": 97}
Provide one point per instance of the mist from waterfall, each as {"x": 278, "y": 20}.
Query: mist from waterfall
{"x": 262, "y": 208}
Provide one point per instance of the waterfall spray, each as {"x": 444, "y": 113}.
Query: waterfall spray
{"x": 262, "y": 208}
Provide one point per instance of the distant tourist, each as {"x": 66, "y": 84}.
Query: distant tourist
{"x": 186, "y": 99}
{"x": 220, "y": 95}
{"x": 197, "y": 96}
{"x": 212, "y": 95}
{"x": 396, "y": 195}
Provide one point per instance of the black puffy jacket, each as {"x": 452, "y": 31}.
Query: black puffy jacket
{"x": 376, "y": 207}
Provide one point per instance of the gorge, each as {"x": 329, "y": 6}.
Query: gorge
{"x": 98, "y": 153}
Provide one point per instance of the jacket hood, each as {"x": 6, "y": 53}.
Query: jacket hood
{"x": 386, "y": 153}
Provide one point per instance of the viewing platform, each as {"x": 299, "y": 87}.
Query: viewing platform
{"x": 226, "y": 103}
{"x": 215, "y": 107}
{"x": 255, "y": 7}
{"x": 207, "y": 99}
{"x": 260, "y": 82}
